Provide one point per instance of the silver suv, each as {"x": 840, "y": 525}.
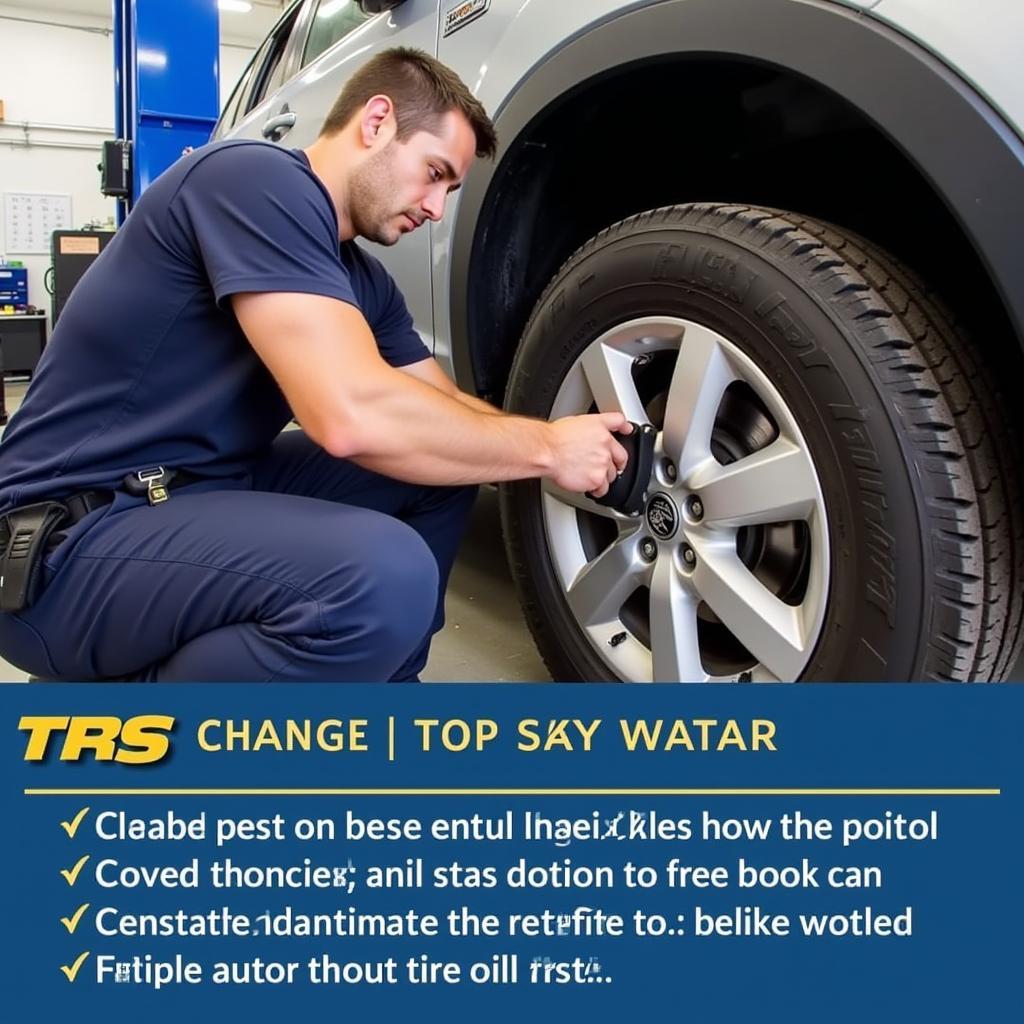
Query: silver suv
{"x": 784, "y": 233}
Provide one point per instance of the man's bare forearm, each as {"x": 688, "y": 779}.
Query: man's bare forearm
{"x": 414, "y": 432}
{"x": 477, "y": 404}
{"x": 412, "y": 425}
{"x": 422, "y": 435}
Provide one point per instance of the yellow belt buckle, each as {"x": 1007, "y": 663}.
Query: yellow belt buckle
{"x": 157, "y": 493}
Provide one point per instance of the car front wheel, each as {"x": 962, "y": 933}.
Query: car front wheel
{"x": 834, "y": 490}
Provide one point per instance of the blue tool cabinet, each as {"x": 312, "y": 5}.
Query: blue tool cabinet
{"x": 13, "y": 286}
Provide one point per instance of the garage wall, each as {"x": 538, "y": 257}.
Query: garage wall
{"x": 64, "y": 76}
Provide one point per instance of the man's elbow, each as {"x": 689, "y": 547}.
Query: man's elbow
{"x": 340, "y": 445}
{"x": 340, "y": 438}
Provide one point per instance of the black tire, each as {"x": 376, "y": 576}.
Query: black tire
{"x": 917, "y": 460}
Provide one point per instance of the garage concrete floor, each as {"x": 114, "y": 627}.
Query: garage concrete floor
{"x": 485, "y": 637}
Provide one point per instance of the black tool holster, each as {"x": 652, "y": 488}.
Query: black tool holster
{"x": 23, "y": 536}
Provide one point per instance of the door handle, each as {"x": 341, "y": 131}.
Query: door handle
{"x": 278, "y": 126}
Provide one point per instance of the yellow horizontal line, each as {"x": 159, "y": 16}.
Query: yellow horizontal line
{"x": 512, "y": 792}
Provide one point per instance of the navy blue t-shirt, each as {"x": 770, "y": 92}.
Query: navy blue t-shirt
{"x": 148, "y": 365}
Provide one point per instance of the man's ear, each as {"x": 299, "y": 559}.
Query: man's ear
{"x": 378, "y": 123}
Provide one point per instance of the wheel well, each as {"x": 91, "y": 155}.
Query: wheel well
{"x": 693, "y": 128}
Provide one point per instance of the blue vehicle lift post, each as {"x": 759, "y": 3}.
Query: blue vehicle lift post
{"x": 166, "y": 75}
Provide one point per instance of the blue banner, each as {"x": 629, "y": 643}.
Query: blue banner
{"x": 717, "y": 853}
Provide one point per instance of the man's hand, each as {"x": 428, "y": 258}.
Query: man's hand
{"x": 586, "y": 455}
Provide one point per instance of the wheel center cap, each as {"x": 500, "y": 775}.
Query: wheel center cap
{"x": 662, "y": 516}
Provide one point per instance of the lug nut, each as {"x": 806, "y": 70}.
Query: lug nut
{"x": 670, "y": 470}
{"x": 696, "y": 508}
{"x": 648, "y": 549}
{"x": 689, "y": 556}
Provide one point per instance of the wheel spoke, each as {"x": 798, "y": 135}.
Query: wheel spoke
{"x": 769, "y": 628}
{"x": 602, "y": 586}
{"x": 675, "y": 649}
{"x": 774, "y": 485}
{"x": 701, "y": 375}
{"x": 609, "y": 372}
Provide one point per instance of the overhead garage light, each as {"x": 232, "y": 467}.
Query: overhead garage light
{"x": 238, "y": 6}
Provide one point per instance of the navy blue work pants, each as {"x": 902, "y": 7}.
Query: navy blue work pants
{"x": 312, "y": 569}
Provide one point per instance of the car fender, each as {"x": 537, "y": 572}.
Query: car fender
{"x": 963, "y": 146}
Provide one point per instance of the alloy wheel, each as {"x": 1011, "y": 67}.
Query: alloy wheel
{"x": 724, "y": 574}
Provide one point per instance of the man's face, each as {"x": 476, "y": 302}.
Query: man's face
{"x": 403, "y": 184}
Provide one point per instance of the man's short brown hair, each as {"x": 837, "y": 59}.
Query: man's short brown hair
{"x": 423, "y": 91}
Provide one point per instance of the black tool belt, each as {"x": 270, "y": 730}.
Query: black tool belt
{"x": 24, "y": 536}
{"x": 26, "y": 533}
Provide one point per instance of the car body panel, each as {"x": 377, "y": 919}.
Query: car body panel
{"x": 985, "y": 46}
{"x": 924, "y": 55}
{"x": 494, "y": 55}
{"x": 969, "y": 153}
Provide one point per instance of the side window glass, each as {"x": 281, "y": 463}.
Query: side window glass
{"x": 269, "y": 63}
{"x": 231, "y": 110}
{"x": 273, "y": 75}
{"x": 334, "y": 19}
{"x": 253, "y": 76}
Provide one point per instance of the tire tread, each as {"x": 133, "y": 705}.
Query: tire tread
{"x": 958, "y": 428}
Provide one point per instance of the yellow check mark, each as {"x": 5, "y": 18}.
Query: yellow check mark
{"x": 72, "y": 972}
{"x": 72, "y": 876}
{"x": 71, "y": 827}
{"x": 71, "y": 923}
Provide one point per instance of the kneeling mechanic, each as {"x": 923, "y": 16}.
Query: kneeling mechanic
{"x": 157, "y": 524}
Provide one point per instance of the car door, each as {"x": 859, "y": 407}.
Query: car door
{"x": 244, "y": 113}
{"x": 295, "y": 79}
